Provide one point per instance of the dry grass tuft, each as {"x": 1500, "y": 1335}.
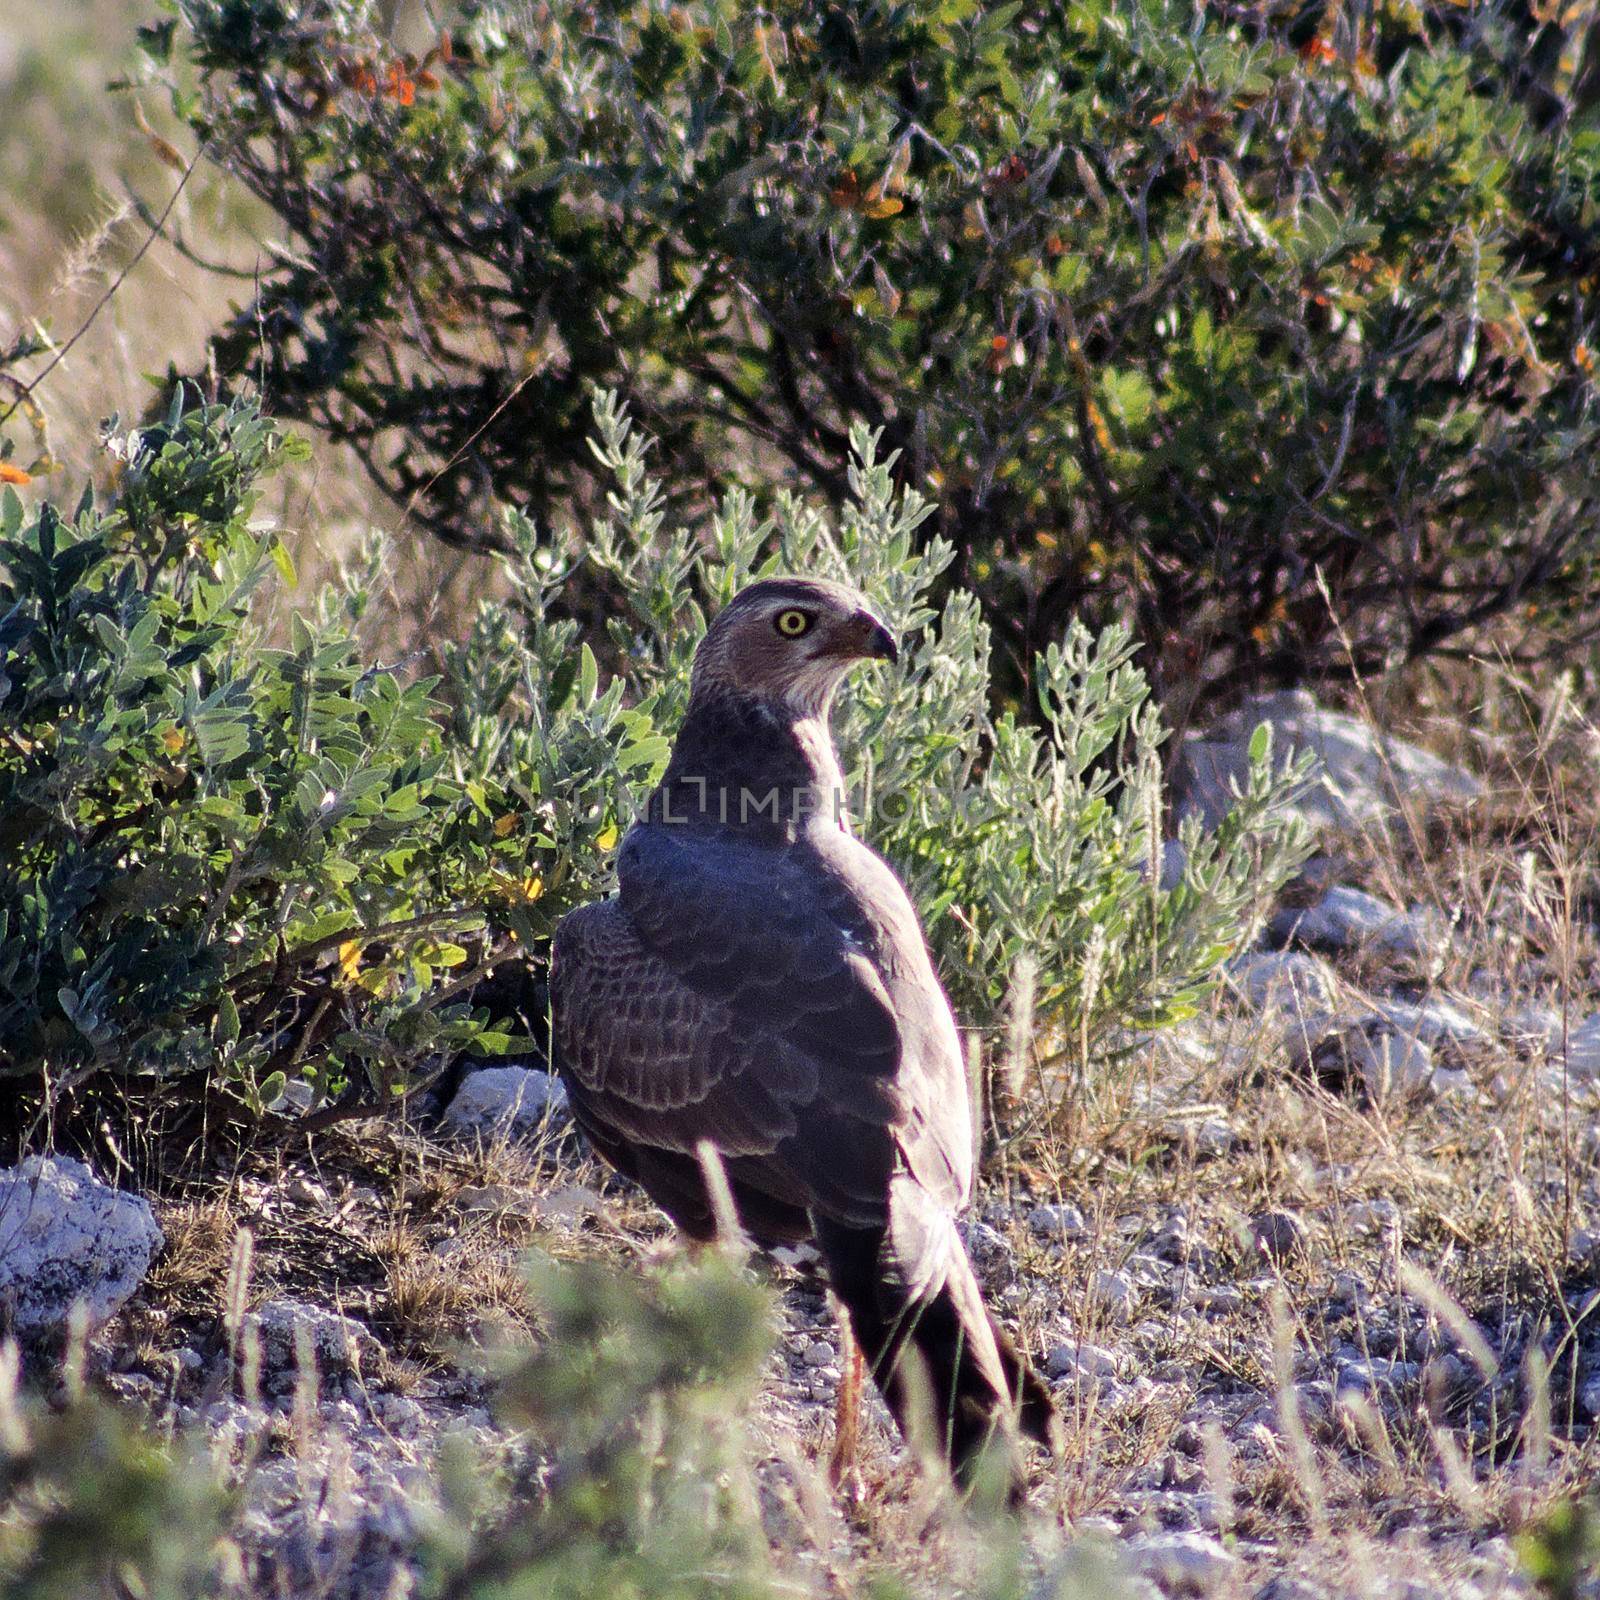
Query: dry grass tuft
{"x": 192, "y": 1269}
{"x": 436, "y": 1303}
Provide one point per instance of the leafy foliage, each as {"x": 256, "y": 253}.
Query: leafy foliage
{"x": 264, "y": 863}
{"x": 1561, "y": 1552}
{"x": 636, "y": 1395}
{"x": 92, "y": 1505}
{"x": 634, "y": 1402}
{"x": 220, "y": 855}
{"x": 1179, "y": 307}
{"x": 1025, "y": 845}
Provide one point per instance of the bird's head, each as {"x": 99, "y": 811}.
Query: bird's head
{"x": 790, "y": 640}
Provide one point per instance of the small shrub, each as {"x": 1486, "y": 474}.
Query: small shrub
{"x": 1561, "y": 1551}
{"x": 636, "y": 1395}
{"x": 224, "y": 856}
{"x": 643, "y": 1478}
{"x": 94, "y": 1507}
{"x": 260, "y": 862}
{"x": 1026, "y": 844}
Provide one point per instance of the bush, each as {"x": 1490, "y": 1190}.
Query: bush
{"x": 222, "y": 856}
{"x": 1182, "y": 309}
{"x": 92, "y": 1505}
{"x": 1027, "y": 847}
{"x": 263, "y": 863}
{"x": 637, "y": 1395}
{"x": 634, "y": 1398}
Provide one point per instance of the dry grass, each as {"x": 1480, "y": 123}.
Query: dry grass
{"x": 193, "y": 1267}
{"x": 437, "y": 1302}
{"x": 75, "y": 175}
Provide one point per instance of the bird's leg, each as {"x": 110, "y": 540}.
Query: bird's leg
{"x": 843, "y": 1471}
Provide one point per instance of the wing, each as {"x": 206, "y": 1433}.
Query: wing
{"x": 706, "y": 1003}
{"x": 774, "y": 937}
{"x": 935, "y": 1130}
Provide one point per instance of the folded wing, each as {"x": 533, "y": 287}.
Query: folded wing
{"x": 727, "y": 995}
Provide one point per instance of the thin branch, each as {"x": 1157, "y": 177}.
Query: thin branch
{"x": 111, "y": 288}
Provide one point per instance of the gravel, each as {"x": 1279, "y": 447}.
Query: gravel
{"x": 291, "y": 1331}
{"x": 1369, "y": 1374}
{"x": 1074, "y": 1360}
{"x": 1058, "y": 1222}
{"x": 1116, "y": 1295}
{"x": 1278, "y": 1235}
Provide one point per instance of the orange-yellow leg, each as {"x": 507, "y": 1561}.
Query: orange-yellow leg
{"x": 843, "y": 1471}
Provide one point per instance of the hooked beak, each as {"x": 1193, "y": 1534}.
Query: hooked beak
{"x": 877, "y": 642}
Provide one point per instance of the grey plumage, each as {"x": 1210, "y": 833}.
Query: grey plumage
{"x": 761, "y": 982}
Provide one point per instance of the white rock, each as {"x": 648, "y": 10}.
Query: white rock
{"x": 1074, "y": 1360}
{"x": 1532, "y": 1025}
{"x": 502, "y": 1198}
{"x": 819, "y": 1353}
{"x": 1284, "y": 981}
{"x": 1116, "y": 1294}
{"x": 1431, "y": 1021}
{"x": 1346, "y": 918}
{"x": 1583, "y": 1049}
{"x": 1103, "y": 1529}
{"x": 506, "y": 1103}
{"x": 1278, "y": 1235}
{"x": 1358, "y": 775}
{"x": 1147, "y": 1271}
{"x": 1368, "y": 1375}
{"x": 66, "y": 1237}
{"x": 1182, "y": 1564}
{"x": 296, "y": 1098}
{"x": 1170, "y": 1242}
{"x": 1453, "y": 1083}
{"x": 337, "y": 1344}
{"x": 1285, "y": 1586}
{"x": 1393, "y": 1067}
{"x": 799, "y": 1256}
{"x": 1372, "y": 1216}
{"x": 1350, "y": 1288}
{"x": 567, "y": 1206}
{"x": 1058, "y": 1222}
{"x": 987, "y": 1246}
{"x": 400, "y": 1415}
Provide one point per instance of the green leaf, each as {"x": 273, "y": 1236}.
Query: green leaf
{"x": 283, "y": 561}
{"x": 227, "y": 1027}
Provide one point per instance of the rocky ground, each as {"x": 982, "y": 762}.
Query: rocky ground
{"x": 1311, "y": 1275}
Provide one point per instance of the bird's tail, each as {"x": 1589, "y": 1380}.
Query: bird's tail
{"x": 943, "y": 1363}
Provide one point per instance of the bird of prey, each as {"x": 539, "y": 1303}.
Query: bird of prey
{"x": 760, "y": 983}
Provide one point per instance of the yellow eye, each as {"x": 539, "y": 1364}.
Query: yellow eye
{"x": 791, "y": 624}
